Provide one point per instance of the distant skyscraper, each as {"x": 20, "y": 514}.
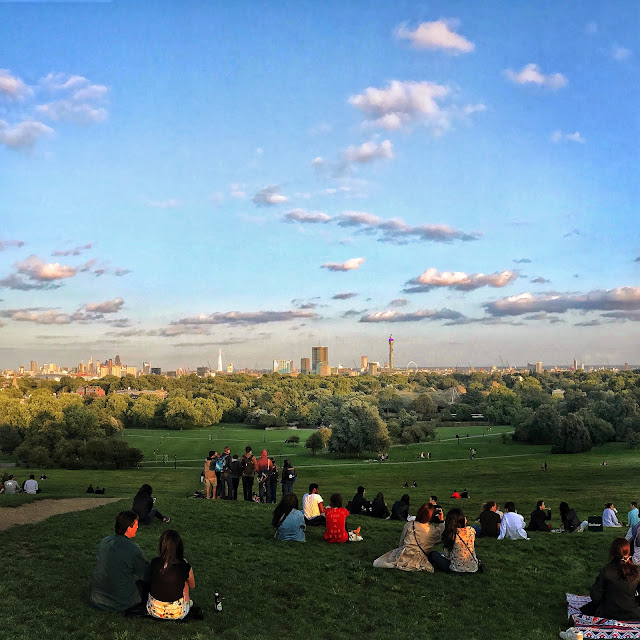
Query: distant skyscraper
{"x": 305, "y": 365}
{"x": 390, "y": 352}
{"x": 538, "y": 367}
{"x": 575, "y": 364}
{"x": 155, "y": 370}
{"x": 219, "y": 369}
{"x": 118, "y": 363}
{"x": 319, "y": 356}
{"x": 626, "y": 366}
{"x": 146, "y": 368}
{"x": 282, "y": 366}
{"x": 364, "y": 363}
{"x": 33, "y": 366}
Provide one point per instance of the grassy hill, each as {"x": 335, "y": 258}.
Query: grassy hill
{"x": 315, "y": 590}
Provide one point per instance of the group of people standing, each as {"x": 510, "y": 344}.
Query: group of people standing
{"x": 222, "y": 474}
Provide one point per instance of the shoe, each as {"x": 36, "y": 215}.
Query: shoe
{"x": 166, "y": 519}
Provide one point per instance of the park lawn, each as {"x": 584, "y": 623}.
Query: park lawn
{"x": 316, "y": 590}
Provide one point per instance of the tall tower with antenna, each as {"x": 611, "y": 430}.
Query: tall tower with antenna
{"x": 219, "y": 361}
{"x": 390, "y": 352}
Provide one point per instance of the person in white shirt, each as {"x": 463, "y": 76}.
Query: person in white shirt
{"x": 31, "y": 485}
{"x": 313, "y": 507}
{"x": 512, "y": 524}
{"x": 609, "y": 518}
{"x": 11, "y": 486}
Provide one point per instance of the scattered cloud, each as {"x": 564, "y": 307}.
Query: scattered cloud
{"x": 46, "y": 317}
{"x": 523, "y": 261}
{"x": 620, "y": 53}
{"x": 543, "y": 316}
{"x": 422, "y": 314}
{"x": 349, "y": 265}
{"x": 558, "y": 136}
{"x": 301, "y": 215}
{"x": 108, "y": 306}
{"x": 401, "y": 104}
{"x": 352, "y": 313}
{"x": 13, "y": 87}
{"x": 540, "y": 280}
{"x": 34, "y": 269}
{"x": 23, "y": 135}
{"x": 245, "y": 318}
{"x": 436, "y": 35}
{"x": 317, "y": 162}
{"x": 573, "y": 232}
{"x": 619, "y": 299}
{"x": 588, "y": 323}
{"x": 269, "y": 196}
{"x": 121, "y": 272}
{"x": 18, "y": 283}
{"x": 345, "y": 295}
{"x": 368, "y": 152}
{"x": 634, "y": 316}
{"x": 458, "y": 280}
{"x": 76, "y": 251}
{"x": 5, "y": 244}
{"x": 531, "y": 74}
{"x": 399, "y": 302}
{"x": 396, "y": 231}
{"x": 82, "y": 103}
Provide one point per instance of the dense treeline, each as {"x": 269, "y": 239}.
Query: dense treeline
{"x": 47, "y": 423}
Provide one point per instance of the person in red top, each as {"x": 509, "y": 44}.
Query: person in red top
{"x": 336, "y": 515}
{"x": 456, "y": 495}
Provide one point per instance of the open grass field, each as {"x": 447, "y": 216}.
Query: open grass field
{"x": 315, "y": 590}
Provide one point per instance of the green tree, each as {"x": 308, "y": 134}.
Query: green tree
{"x": 180, "y": 413}
{"x": 424, "y": 405}
{"x": 356, "y": 427}
{"x": 572, "y": 436}
{"x": 314, "y": 442}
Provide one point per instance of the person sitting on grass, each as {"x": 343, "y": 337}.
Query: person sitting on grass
{"x": 379, "y": 508}
{"x": 288, "y": 520}
{"x": 458, "y": 541}
{"x": 400, "y": 508}
{"x": 359, "y": 505}
{"x": 609, "y": 518}
{"x": 613, "y": 595}
{"x": 11, "y": 485}
{"x": 31, "y": 485}
{"x": 455, "y": 495}
{"x": 171, "y": 577}
{"x": 143, "y": 506}
{"x": 632, "y": 516}
{"x": 120, "y": 576}
{"x": 489, "y": 521}
{"x": 570, "y": 520}
{"x": 313, "y": 507}
{"x": 336, "y": 516}
{"x": 417, "y": 540}
{"x": 539, "y": 517}
{"x": 512, "y": 524}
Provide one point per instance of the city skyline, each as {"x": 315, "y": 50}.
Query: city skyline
{"x": 180, "y": 178}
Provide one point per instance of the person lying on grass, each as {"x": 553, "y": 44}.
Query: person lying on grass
{"x": 336, "y": 515}
{"x": 417, "y": 540}
{"x": 171, "y": 577}
{"x": 613, "y": 595}
{"x": 288, "y": 520}
{"x": 512, "y": 524}
{"x": 120, "y": 577}
{"x": 458, "y": 541}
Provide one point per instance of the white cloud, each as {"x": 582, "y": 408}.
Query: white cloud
{"x": 301, "y": 215}
{"x": 436, "y": 35}
{"x": 62, "y": 82}
{"x": 68, "y": 110}
{"x": 12, "y": 86}
{"x": 35, "y": 269}
{"x": 269, "y": 196}
{"x": 245, "y": 318}
{"x": 82, "y": 103}
{"x": 531, "y": 74}
{"x": 23, "y": 135}
{"x": 415, "y": 316}
{"x": 317, "y": 162}
{"x": 558, "y": 136}
{"x": 620, "y": 53}
{"x": 458, "y": 280}
{"x": 237, "y": 191}
{"x": 401, "y": 104}
{"x": 621, "y": 298}
{"x": 368, "y": 152}
{"x": 108, "y": 306}
{"x": 5, "y": 244}
{"x": 349, "y": 265}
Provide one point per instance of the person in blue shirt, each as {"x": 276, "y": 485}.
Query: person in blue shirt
{"x": 632, "y": 516}
{"x": 288, "y": 520}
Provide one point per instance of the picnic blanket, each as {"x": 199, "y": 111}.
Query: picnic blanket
{"x": 594, "y": 627}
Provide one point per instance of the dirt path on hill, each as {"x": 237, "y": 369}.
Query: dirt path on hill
{"x": 40, "y": 510}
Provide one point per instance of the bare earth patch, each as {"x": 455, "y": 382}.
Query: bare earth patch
{"x": 40, "y": 510}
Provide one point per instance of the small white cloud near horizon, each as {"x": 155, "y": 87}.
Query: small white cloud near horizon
{"x": 531, "y": 74}
{"x": 368, "y": 152}
{"x": 302, "y": 215}
{"x": 13, "y": 87}
{"x": 558, "y": 136}
{"x": 349, "y": 265}
{"x": 269, "y": 196}
{"x": 436, "y": 35}
{"x": 23, "y": 135}
{"x": 107, "y": 306}
{"x": 35, "y": 269}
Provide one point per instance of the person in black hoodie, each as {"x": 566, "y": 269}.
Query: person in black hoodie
{"x": 539, "y": 518}
{"x": 359, "y": 505}
{"x": 143, "y": 506}
{"x": 379, "y": 507}
{"x": 400, "y": 508}
{"x": 236, "y": 472}
{"x": 570, "y": 520}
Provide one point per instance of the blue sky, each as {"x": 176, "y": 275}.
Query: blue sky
{"x": 263, "y": 177}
